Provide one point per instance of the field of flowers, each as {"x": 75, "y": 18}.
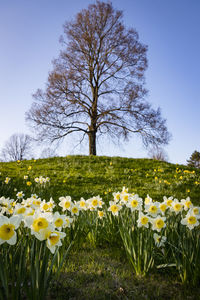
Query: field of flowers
{"x": 40, "y": 227}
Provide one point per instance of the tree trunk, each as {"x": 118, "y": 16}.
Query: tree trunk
{"x": 92, "y": 142}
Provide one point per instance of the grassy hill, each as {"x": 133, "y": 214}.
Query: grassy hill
{"x": 100, "y": 262}
{"x": 86, "y": 176}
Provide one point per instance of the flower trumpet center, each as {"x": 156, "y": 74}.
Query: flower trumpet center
{"x": 160, "y": 223}
{"x": 7, "y": 231}
{"x": 153, "y": 209}
{"x": 94, "y": 202}
{"x": 192, "y": 220}
{"x": 114, "y": 208}
{"x": 67, "y": 204}
{"x": 144, "y": 220}
{"x": 58, "y": 222}
{"x": 40, "y": 223}
{"x": 134, "y": 203}
{"x": 54, "y": 239}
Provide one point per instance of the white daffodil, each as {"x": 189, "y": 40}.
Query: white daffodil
{"x": 38, "y": 221}
{"x": 59, "y": 220}
{"x": 82, "y": 204}
{"x": 152, "y": 208}
{"x": 74, "y": 209}
{"x": 36, "y": 202}
{"x": 143, "y": 220}
{"x": 54, "y": 240}
{"x": 20, "y": 195}
{"x": 134, "y": 203}
{"x": 68, "y": 221}
{"x": 168, "y": 201}
{"x": 20, "y": 209}
{"x": 176, "y": 206}
{"x": 65, "y": 203}
{"x": 101, "y": 214}
{"x": 7, "y": 180}
{"x": 7, "y": 229}
{"x": 190, "y": 221}
{"x": 6, "y": 205}
{"x": 117, "y": 196}
{"x": 158, "y": 223}
{"x": 195, "y": 210}
{"x": 148, "y": 200}
{"x": 159, "y": 240}
{"x": 93, "y": 203}
{"x": 124, "y": 190}
{"x": 44, "y": 206}
{"x": 163, "y": 207}
{"x": 187, "y": 203}
{"x": 114, "y": 208}
{"x": 124, "y": 198}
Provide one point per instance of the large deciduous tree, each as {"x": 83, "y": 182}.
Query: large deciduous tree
{"x": 97, "y": 83}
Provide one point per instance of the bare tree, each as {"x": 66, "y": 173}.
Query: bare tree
{"x": 48, "y": 152}
{"x": 18, "y": 147}
{"x": 158, "y": 153}
{"x": 96, "y": 85}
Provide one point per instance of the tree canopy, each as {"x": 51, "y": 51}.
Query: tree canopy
{"x": 97, "y": 84}
{"x": 194, "y": 160}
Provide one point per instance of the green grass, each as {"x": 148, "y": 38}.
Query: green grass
{"x": 103, "y": 274}
{"x": 86, "y": 176}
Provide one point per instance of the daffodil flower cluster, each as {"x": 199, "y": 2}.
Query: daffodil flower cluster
{"x": 35, "y": 214}
{"x": 153, "y": 214}
{"x": 42, "y": 180}
{"x": 39, "y": 217}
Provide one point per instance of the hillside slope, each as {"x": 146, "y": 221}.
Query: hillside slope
{"x": 85, "y": 176}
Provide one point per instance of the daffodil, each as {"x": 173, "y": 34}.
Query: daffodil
{"x": 125, "y": 197}
{"x": 190, "y": 221}
{"x": 7, "y": 180}
{"x": 100, "y": 214}
{"x": 176, "y": 206}
{"x": 158, "y": 223}
{"x": 19, "y": 209}
{"x": 143, "y": 220}
{"x": 7, "y": 229}
{"x": 195, "y": 211}
{"x": 148, "y": 200}
{"x": 152, "y": 208}
{"x": 74, "y": 209}
{"x": 168, "y": 201}
{"x": 59, "y": 220}
{"x": 134, "y": 203}
{"x": 68, "y": 221}
{"x": 186, "y": 203}
{"x": 159, "y": 240}
{"x": 83, "y": 204}
{"x": 94, "y": 202}
{"x": 114, "y": 208}
{"x": 20, "y": 195}
{"x": 117, "y": 196}
{"x": 54, "y": 240}
{"x": 163, "y": 207}
{"x": 65, "y": 203}
{"x": 38, "y": 221}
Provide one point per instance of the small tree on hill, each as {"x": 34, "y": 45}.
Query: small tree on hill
{"x": 96, "y": 86}
{"x": 18, "y": 147}
{"x": 158, "y": 153}
{"x": 194, "y": 160}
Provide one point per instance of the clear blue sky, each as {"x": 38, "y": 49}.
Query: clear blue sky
{"x": 29, "y": 40}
